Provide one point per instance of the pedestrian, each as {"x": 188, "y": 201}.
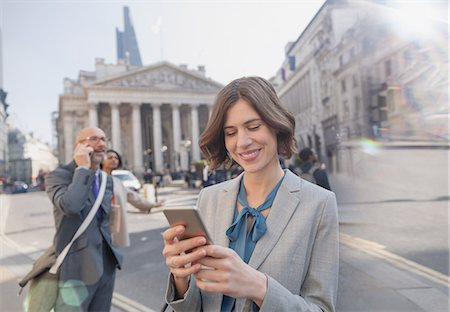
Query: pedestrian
{"x": 122, "y": 195}
{"x": 311, "y": 169}
{"x": 148, "y": 175}
{"x": 206, "y": 176}
{"x": 87, "y": 275}
{"x": 275, "y": 236}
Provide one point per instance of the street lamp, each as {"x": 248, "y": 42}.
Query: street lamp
{"x": 147, "y": 155}
{"x": 187, "y": 145}
{"x": 164, "y": 150}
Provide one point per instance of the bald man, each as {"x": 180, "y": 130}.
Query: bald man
{"x": 87, "y": 274}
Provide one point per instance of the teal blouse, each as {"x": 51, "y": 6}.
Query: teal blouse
{"x": 242, "y": 242}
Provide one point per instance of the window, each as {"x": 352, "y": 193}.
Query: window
{"x": 388, "y": 68}
{"x": 357, "y": 105}
{"x": 343, "y": 86}
{"x": 355, "y": 80}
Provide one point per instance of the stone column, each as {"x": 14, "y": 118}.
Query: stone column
{"x": 176, "y": 124}
{"x": 195, "y": 133}
{"x": 115, "y": 126}
{"x": 157, "y": 138}
{"x": 93, "y": 116}
{"x": 138, "y": 165}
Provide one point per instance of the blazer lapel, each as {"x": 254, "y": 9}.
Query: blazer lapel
{"x": 91, "y": 196}
{"x": 104, "y": 205}
{"x": 283, "y": 207}
{"x": 226, "y": 205}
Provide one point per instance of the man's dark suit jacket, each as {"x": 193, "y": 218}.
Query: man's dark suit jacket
{"x": 70, "y": 191}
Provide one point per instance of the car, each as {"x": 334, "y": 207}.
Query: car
{"x": 19, "y": 187}
{"x": 128, "y": 179}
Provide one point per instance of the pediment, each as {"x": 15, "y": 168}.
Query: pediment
{"x": 161, "y": 77}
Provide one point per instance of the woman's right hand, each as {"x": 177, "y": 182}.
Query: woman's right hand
{"x": 180, "y": 255}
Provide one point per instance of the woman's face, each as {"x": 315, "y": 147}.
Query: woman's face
{"x": 111, "y": 161}
{"x": 248, "y": 139}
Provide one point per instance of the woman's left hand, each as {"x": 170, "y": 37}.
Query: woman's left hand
{"x": 228, "y": 274}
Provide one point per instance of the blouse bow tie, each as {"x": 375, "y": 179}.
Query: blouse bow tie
{"x": 258, "y": 226}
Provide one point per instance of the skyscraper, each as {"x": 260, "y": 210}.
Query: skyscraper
{"x": 127, "y": 42}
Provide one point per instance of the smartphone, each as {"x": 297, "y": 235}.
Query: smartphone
{"x": 190, "y": 218}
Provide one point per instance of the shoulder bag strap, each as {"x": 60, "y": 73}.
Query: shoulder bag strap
{"x": 83, "y": 225}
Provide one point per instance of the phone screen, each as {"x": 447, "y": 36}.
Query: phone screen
{"x": 190, "y": 218}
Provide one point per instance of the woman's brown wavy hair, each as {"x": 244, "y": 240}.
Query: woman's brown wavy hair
{"x": 262, "y": 96}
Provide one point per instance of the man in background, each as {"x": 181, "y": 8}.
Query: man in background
{"x": 87, "y": 275}
{"x": 310, "y": 169}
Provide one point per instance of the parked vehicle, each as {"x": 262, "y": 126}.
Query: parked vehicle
{"x": 19, "y": 187}
{"x": 128, "y": 179}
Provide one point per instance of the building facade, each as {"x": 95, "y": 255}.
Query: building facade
{"x": 353, "y": 75}
{"x": 28, "y": 156}
{"x": 3, "y": 135}
{"x": 153, "y": 115}
{"x": 3, "y": 116}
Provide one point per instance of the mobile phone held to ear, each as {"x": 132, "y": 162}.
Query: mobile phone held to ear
{"x": 190, "y": 218}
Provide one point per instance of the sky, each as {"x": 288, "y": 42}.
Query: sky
{"x": 45, "y": 41}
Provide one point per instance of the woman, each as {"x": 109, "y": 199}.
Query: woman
{"x": 122, "y": 195}
{"x": 275, "y": 235}
{"x": 112, "y": 162}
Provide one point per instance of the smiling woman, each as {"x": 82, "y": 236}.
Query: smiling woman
{"x": 265, "y": 222}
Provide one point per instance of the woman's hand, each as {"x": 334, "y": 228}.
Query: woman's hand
{"x": 180, "y": 255}
{"x": 228, "y": 274}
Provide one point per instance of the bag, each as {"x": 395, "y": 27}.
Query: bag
{"x": 43, "y": 289}
{"x": 118, "y": 215}
{"x": 44, "y": 277}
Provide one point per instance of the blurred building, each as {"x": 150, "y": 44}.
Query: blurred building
{"x": 3, "y": 134}
{"x": 359, "y": 71}
{"x": 54, "y": 142}
{"x": 28, "y": 156}
{"x": 3, "y": 116}
{"x": 153, "y": 114}
{"x": 127, "y": 45}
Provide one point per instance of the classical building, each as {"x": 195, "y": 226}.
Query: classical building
{"x": 153, "y": 114}
{"x": 353, "y": 74}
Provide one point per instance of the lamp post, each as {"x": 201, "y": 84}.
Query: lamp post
{"x": 147, "y": 157}
{"x": 187, "y": 145}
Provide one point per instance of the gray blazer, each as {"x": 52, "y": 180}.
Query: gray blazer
{"x": 70, "y": 191}
{"x": 298, "y": 253}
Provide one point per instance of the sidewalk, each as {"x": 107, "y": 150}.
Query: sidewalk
{"x": 370, "y": 283}
{"x": 373, "y": 279}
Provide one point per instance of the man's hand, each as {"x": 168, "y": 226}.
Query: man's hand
{"x": 82, "y": 155}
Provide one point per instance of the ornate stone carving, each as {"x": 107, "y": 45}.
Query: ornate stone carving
{"x": 166, "y": 79}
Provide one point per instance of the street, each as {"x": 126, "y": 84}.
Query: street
{"x": 393, "y": 224}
